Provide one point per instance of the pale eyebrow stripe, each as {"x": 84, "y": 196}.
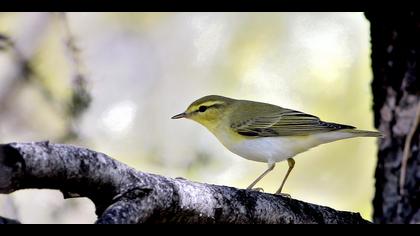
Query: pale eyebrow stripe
{"x": 214, "y": 105}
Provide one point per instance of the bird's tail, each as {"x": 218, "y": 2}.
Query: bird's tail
{"x": 365, "y": 133}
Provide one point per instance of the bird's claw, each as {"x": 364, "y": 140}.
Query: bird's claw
{"x": 258, "y": 189}
{"x": 286, "y": 195}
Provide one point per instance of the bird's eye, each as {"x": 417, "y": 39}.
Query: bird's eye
{"x": 202, "y": 108}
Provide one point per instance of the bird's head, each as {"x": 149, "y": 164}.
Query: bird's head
{"x": 208, "y": 110}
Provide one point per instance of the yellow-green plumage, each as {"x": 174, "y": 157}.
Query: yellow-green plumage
{"x": 265, "y": 132}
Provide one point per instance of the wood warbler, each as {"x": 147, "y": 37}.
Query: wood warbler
{"x": 265, "y": 132}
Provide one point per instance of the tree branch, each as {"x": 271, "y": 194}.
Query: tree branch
{"x": 123, "y": 195}
{"x": 7, "y": 221}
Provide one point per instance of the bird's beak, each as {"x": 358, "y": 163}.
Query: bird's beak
{"x": 179, "y": 116}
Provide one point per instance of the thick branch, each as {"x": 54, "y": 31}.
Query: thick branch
{"x": 124, "y": 195}
{"x": 7, "y": 221}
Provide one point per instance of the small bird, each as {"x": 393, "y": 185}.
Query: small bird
{"x": 264, "y": 132}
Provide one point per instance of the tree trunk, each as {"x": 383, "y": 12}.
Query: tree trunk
{"x": 395, "y": 39}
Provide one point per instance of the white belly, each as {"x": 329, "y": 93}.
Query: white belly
{"x": 276, "y": 149}
{"x": 270, "y": 149}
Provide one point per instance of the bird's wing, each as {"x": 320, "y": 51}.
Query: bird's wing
{"x": 284, "y": 122}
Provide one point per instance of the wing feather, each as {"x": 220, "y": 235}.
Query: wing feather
{"x": 284, "y": 122}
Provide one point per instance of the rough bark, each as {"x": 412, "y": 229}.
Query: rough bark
{"x": 7, "y": 221}
{"x": 124, "y": 195}
{"x": 395, "y": 39}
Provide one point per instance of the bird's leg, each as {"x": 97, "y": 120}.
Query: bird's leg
{"x": 291, "y": 163}
{"x": 270, "y": 168}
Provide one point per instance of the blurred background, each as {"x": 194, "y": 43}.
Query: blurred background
{"x": 111, "y": 82}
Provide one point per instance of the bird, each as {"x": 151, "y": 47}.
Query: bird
{"x": 265, "y": 132}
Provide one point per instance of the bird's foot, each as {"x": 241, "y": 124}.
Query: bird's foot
{"x": 257, "y": 189}
{"x": 286, "y": 195}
